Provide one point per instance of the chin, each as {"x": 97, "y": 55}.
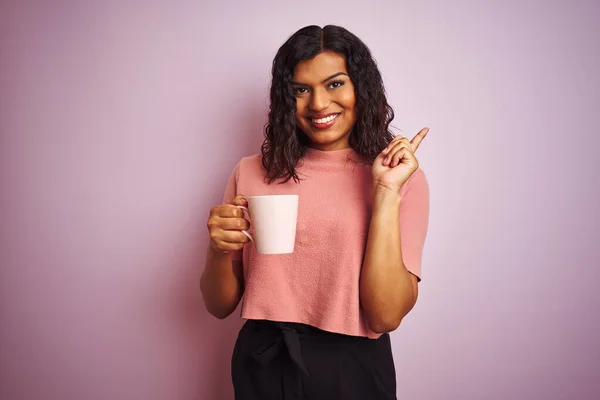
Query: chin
{"x": 324, "y": 140}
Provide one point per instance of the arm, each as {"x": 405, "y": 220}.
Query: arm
{"x": 388, "y": 291}
{"x": 222, "y": 283}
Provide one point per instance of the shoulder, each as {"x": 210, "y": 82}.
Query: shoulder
{"x": 416, "y": 179}
{"x": 250, "y": 161}
{"x": 247, "y": 165}
{"x": 416, "y": 182}
{"x": 251, "y": 165}
{"x": 249, "y": 168}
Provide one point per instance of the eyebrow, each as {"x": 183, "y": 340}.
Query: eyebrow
{"x": 323, "y": 81}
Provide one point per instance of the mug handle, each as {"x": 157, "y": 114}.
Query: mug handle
{"x": 248, "y": 235}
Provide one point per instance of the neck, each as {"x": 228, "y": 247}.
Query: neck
{"x": 330, "y": 147}
{"x": 322, "y": 158}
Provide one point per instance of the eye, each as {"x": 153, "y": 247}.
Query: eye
{"x": 336, "y": 84}
{"x": 299, "y": 90}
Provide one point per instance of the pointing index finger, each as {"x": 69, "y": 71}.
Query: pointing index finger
{"x": 416, "y": 141}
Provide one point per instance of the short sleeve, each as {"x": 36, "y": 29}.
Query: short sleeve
{"x": 230, "y": 193}
{"x": 414, "y": 221}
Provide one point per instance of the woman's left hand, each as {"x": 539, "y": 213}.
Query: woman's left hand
{"x": 397, "y": 162}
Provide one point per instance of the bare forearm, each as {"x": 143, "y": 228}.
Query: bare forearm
{"x": 221, "y": 283}
{"x": 387, "y": 289}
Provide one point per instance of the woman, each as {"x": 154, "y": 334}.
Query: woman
{"x": 318, "y": 319}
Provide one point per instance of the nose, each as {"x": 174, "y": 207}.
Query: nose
{"x": 319, "y": 101}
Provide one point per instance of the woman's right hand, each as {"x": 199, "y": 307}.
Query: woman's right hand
{"x": 225, "y": 225}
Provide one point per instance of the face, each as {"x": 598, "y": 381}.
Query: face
{"x": 325, "y": 101}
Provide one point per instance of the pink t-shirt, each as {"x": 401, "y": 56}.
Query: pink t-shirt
{"x": 318, "y": 284}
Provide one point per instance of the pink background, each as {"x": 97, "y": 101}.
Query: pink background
{"x": 120, "y": 124}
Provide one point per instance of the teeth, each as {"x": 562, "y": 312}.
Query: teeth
{"x": 325, "y": 120}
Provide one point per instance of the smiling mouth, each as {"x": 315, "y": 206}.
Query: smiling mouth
{"x": 326, "y": 122}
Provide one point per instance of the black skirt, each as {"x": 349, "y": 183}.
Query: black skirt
{"x": 288, "y": 361}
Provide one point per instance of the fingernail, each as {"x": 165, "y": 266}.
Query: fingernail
{"x": 385, "y": 150}
{"x": 385, "y": 161}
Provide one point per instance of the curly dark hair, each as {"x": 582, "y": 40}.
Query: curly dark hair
{"x": 284, "y": 142}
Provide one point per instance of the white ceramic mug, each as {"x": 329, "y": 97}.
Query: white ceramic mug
{"x": 273, "y": 219}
